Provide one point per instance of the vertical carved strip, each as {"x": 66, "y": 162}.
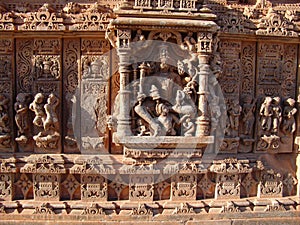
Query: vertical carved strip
{"x": 6, "y": 95}
{"x": 71, "y": 55}
{"x": 93, "y": 98}
{"x": 229, "y": 82}
{"x": 24, "y": 84}
{"x": 247, "y": 96}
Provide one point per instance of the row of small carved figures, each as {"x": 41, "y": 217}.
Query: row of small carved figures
{"x": 45, "y": 120}
{"x": 274, "y": 114}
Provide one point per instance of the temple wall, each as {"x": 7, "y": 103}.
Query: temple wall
{"x": 72, "y": 91}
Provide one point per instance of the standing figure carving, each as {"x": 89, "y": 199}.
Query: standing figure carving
{"x": 51, "y": 121}
{"x": 266, "y": 113}
{"x": 276, "y": 115}
{"x": 22, "y": 117}
{"x": 37, "y": 106}
{"x": 289, "y": 111}
{"x": 46, "y": 118}
{"x": 234, "y": 114}
{"x": 248, "y": 117}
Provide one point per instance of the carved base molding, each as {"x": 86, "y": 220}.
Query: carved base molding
{"x": 120, "y": 211}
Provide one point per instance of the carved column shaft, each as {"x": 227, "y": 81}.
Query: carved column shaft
{"x": 123, "y": 128}
{"x": 203, "y": 120}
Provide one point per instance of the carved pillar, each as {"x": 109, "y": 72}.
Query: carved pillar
{"x": 204, "y": 51}
{"x": 123, "y": 127}
{"x": 7, "y": 170}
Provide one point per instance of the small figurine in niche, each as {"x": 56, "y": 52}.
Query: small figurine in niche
{"x": 289, "y": 124}
{"x": 142, "y": 129}
{"x": 189, "y": 42}
{"x": 248, "y": 114}
{"x": 276, "y": 115}
{"x": 234, "y": 114}
{"x": 37, "y": 106}
{"x": 165, "y": 119}
{"x": 182, "y": 105}
{"x": 188, "y": 126}
{"x": 139, "y": 36}
{"x": 266, "y": 113}
{"x": 51, "y": 121}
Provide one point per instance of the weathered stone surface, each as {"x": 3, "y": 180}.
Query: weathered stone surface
{"x": 131, "y": 112}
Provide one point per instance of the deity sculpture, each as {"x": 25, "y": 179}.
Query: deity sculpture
{"x": 37, "y": 106}
{"x": 248, "y": 117}
{"x": 289, "y": 110}
{"x": 46, "y": 118}
{"x": 51, "y": 121}
{"x": 22, "y": 117}
{"x": 234, "y": 114}
{"x": 266, "y": 113}
{"x": 276, "y": 115}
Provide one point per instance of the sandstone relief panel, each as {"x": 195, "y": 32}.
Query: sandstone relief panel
{"x": 166, "y": 109}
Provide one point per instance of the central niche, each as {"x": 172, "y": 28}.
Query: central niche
{"x": 167, "y": 93}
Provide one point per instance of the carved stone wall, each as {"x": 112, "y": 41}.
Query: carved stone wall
{"x": 98, "y": 123}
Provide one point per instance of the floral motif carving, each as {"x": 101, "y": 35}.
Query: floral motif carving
{"x": 6, "y": 19}
{"x": 47, "y": 46}
{"x": 141, "y": 210}
{"x": 44, "y": 164}
{"x": 44, "y": 19}
{"x": 141, "y": 187}
{"x": 93, "y": 209}
{"x": 6, "y": 45}
{"x": 91, "y": 165}
{"x": 24, "y": 68}
{"x": 95, "y": 46}
{"x": 5, "y": 129}
{"x": 96, "y": 18}
{"x": 183, "y": 186}
{"x": 270, "y": 184}
{"x": 249, "y": 184}
{"x": 5, "y": 67}
{"x": 230, "y": 208}
{"x": 93, "y": 187}
{"x": 207, "y": 186}
{"x": 95, "y": 67}
{"x": 46, "y": 187}
{"x": 71, "y": 185}
{"x": 275, "y": 24}
{"x": 6, "y": 187}
{"x": 47, "y": 67}
{"x": 25, "y": 184}
{"x": 44, "y": 209}
{"x": 184, "y": 209}
{"x": 228, "y": 186}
